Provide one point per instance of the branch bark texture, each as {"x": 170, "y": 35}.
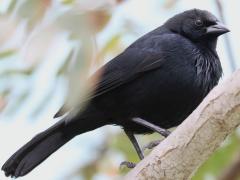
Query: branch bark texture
{"x": 180, "y": 154}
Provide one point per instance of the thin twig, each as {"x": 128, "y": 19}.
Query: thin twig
{"x": 226, "y": 37}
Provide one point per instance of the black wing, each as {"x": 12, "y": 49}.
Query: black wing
{"x": 126, "y": 67}
{"x": 143, "y": 56}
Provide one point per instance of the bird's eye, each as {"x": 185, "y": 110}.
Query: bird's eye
{"x": 198, "y": 22}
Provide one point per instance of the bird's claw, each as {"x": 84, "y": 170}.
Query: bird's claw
{"x": 151, "y": 145}
{"x": 128, "y": 164}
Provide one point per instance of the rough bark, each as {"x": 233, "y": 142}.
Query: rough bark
{"x": 180, "y": 155}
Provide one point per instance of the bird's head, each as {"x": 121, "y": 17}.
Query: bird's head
{"x": 197, "y": 25}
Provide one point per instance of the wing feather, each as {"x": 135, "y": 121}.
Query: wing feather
{"x": 129, "y": 65}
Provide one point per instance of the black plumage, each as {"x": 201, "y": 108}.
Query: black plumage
{"x": 161, "y": 78}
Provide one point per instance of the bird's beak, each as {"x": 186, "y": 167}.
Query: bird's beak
{"x": 217, "y": 29}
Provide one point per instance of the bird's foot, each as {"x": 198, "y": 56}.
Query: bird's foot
{"x": 164, "y": 132}
{"x": 127, "y": 164}
{"x": 151, "y": 145}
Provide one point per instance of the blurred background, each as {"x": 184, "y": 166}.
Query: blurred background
{"x": 49, "y": 48}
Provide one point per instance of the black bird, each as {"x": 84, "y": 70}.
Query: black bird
{"x": 156, "y": 82}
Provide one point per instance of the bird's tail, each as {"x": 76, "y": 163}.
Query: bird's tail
{"x": 42, "y": 146}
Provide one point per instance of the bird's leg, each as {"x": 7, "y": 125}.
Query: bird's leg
{"x": 136, "y": 147}
{"x": 135, "y": 144}
{"x": 163, "y": 132}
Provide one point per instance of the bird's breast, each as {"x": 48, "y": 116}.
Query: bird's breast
{"x": 208, "y": 69}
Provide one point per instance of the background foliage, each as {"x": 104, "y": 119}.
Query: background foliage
{"x": 49, "y": 48}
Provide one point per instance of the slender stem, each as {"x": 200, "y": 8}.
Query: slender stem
{"x": 226, "y": 38}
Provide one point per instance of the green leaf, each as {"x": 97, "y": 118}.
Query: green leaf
{"x": 7, "y": 53}
{"x": 68, "y": 1}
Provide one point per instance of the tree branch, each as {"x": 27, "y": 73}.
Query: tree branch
{"x": 180, "y": 154}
